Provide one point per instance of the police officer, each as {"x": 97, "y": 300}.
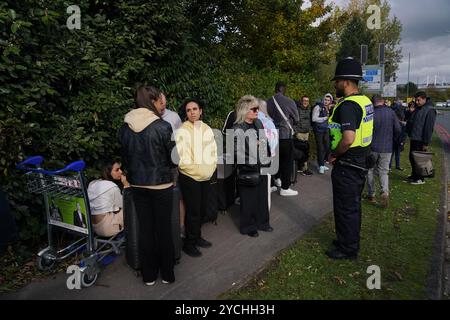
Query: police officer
{"x": 351, "y": 127}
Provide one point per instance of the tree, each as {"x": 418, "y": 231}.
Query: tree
{"x": 410, "y": 87}
{"x": 389, "y": 33}
{"x": 268, "y": 33}
{"x": 353, "y": 36}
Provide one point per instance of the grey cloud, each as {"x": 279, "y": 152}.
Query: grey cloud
{"x": 422, "y": 20}
{"x": 428, "y": 58}
{"x": 426, "y": 35}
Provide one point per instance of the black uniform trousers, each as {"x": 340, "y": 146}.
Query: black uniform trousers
{"x": 348, "y": 184}
{"x": 156, "y": 247}
{"x": 254, "y": 213}
{"x": 415, "y": 146}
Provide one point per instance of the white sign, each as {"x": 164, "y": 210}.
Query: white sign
{"x": 390, "y": 90}
{"x": 372, "y": 75}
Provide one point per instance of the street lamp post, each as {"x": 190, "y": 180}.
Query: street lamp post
{"x": 409, "y": 69}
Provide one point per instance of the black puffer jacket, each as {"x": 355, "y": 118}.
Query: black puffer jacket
{"x": 146, "y": 148}
{"x": 253, "y": 162}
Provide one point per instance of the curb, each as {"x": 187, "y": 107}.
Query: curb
{"x": 435, "y": 288}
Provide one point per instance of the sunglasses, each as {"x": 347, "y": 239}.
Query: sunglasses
{"x": 256, "y": 109}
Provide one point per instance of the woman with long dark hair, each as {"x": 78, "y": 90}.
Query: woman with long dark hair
{"x": 105, "y": 199}
{"x": 146, "y": 151}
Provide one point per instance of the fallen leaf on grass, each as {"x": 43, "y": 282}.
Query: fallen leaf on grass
{"x": 340, "y": 280}
{"x": 398, "y": 275}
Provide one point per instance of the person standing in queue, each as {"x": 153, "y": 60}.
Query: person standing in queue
{"x": 147, "y": 147}
{"x": 351, "y": 130}
{"x": 197, "y": 149}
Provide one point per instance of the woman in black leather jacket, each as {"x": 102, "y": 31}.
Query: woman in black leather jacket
{"x": 253, "y": 186}
{"x": 146, "y": 150}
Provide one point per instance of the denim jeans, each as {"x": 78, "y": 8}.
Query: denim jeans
{"x": 382, "y": 170}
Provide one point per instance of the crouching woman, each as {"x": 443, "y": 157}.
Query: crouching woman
{"x": 105, "y": 199}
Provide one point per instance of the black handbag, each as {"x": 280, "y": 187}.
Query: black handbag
{"x": 248, "y": 178}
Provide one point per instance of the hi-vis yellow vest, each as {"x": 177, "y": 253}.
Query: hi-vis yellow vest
{"x": 363, "y": 135}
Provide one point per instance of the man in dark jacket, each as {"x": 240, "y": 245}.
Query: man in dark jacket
{"x": 284, "y": 122}
{"x": 420, "y": 131}
{"x": 301, "y": 138}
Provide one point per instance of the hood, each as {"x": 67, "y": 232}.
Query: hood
{"x": 99, "y": 187}
{"x": 139, "y": 119}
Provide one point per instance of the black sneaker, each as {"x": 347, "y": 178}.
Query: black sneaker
{"x": 337, "y": 254}
{"x": 192, "y": 251}
{"x": 202, "y": 243}
{"x": 400, "y": 169}
{"x": 306, "y": 172}
{"x": 253, "y": 234}
{"x": 417, "y": 182}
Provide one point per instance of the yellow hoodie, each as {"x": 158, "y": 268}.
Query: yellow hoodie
{"x": 197, "y": 149}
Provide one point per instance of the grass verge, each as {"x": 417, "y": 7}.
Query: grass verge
{"x": 399, "y": 240}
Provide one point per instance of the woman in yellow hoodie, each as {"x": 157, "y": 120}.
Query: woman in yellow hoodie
{"x": 197, "y": 150}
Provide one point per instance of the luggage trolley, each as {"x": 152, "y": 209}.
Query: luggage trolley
{"x": 67, "y": 208}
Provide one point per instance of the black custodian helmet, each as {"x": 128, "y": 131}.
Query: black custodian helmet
{"x": 348, "y": 69}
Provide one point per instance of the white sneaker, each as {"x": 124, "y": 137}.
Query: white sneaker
{"x": 326, "y": 168}
{"x": 415, "y": 182}
{"x": 164, "y": 282}
{"x": 322, "y": 170}
{"x": 278, "y": 183}
{"x": 150, "y": 283}
{"x": 288, "y": 192}
{"x": 237, "y": 201}
{"x": 273, "y": 189}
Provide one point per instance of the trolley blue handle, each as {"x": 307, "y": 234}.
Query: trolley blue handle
{"x": 36, "y": 161}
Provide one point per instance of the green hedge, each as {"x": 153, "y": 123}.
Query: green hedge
{"x": 64, "y": 93}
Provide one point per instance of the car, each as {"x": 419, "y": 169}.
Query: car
{"x": 441, "y": 104}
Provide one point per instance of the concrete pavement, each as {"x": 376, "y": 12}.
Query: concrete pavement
{"x": 229, "y": 263}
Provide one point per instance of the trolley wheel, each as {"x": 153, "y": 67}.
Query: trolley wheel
{"x": 88, "y": 281}
{"x": 45, "y": 264}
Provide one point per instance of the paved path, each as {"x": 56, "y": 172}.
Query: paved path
{"x": 232, "y": 259}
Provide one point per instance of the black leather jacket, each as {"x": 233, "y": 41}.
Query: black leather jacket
{"x": 250, "y": 159}
{"x": 146, "y": 155}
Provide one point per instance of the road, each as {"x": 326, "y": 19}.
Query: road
{"x": 443, "y": 130}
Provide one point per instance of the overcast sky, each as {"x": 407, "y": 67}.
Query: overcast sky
{"x": 426, "y": 35}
